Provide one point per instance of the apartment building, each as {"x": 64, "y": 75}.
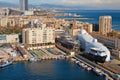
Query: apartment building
{"x": 105, "y": 24}
{"x": 35, "y": 38}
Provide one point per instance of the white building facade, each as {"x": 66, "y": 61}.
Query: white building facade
{"x": 36, "y": 37}
{"x": 11, "y": 38}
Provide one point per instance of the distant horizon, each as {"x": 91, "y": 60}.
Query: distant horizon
{"x": 85, "y": 4}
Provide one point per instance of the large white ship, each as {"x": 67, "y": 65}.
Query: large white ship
{"x": 93, "y": 48}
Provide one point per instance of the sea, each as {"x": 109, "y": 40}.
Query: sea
{"x": 93, "y": 16}
{"x": 59, "y": 69}
{"x": 47, "y": 70}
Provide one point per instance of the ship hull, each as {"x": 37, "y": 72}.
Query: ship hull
{"x": 96, "y": 58}
{"x": 6, "y": 64}
{"x": 97, "y": 72}
{"x": 67, "y": 45}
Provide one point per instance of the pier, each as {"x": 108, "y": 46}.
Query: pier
{"x": 55, "y": 53}
{"x": 44, "y": 54}
{"x": 38, "y": 54}
{"x": 107, "y": 73}
{"x": 79, "y": 18}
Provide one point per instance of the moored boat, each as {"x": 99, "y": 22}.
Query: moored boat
{"x": 97, "y": 71}
{"x": 5, "y": 64}
{"x": 34, "y": 59}
{"x": 89, "y": 68}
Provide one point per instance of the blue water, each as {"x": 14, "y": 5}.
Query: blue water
{"x": 95, "y": 15}
{"x": 46, "y": 70}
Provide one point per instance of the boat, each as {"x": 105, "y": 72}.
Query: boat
{"x": 80, "y": 64}
{"x": 76, "y": 15}
{"x": 5, "y": 64}
{"x": 77, "y": 62}
{"x": 85, "y": 66}
{"x": 67, "y": 41}
{"x": 89, "y": 68}
{"x": 92, "y": 48}
{"x": 69, "y": 14}
{"x": 34, "y": 59}
{"x": 72, "y": 59}
{"x": 97, "y": 71}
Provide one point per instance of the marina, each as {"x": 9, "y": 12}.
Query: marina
{"x": 39, "y": 56}
{"x": 55, "y": 54}
{"x": 45, "y": 70}
{"x": 109, "y": 75}
{"x": 96, "y": 70}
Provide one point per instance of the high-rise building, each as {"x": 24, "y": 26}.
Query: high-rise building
{"x": 105, "y": 24}
{"x": 23, "y": 5}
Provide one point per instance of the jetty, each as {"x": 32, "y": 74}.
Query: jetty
{"x": 110, "y": 75}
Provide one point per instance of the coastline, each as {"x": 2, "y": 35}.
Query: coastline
{"x": 94, "y": 14}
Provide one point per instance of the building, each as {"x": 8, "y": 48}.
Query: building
{"x": 3, "y": 22}
{"x": 4, "y": 11}
{"x": 111, "y": 42}
{"x": 35, "y": 38}
{"x": 23, "y": 5}
{"x": 77, "y": 26}
{"x": 105, "y": 24}
{"x": 29, "y": 13}
{"x": 11, "y": 38}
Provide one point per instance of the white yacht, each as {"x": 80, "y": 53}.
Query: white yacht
{"x": 93, "y": 48}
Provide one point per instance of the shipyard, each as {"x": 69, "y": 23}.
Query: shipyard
{"x": 39, "y": 35}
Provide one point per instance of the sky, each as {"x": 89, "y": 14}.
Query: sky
{"x": 100, "y": 4}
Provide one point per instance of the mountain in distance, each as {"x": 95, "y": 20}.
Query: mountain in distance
{"x": 6, "y": 4}
{"x": 52, "y": 6}
{"x": 58, "y": 6}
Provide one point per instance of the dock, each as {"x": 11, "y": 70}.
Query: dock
{"x": 45, "y": 54}
{"x": 107, "y": 73}
{"x": 79, "y": 18}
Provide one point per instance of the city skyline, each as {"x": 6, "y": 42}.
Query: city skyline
{"x": 96, "y": 4}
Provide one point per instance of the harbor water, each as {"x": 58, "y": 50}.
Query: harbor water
{"x": 93, "y": 16}
{"x": 47, "y": 70}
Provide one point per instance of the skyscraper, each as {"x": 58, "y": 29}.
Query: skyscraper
{"x": 23, "y": 5}
{"x": 105, "y": 24}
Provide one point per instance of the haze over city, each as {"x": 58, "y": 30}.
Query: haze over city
{"x": 93, "y": 4}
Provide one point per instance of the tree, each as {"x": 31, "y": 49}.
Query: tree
{"x": 113, "y": 33}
